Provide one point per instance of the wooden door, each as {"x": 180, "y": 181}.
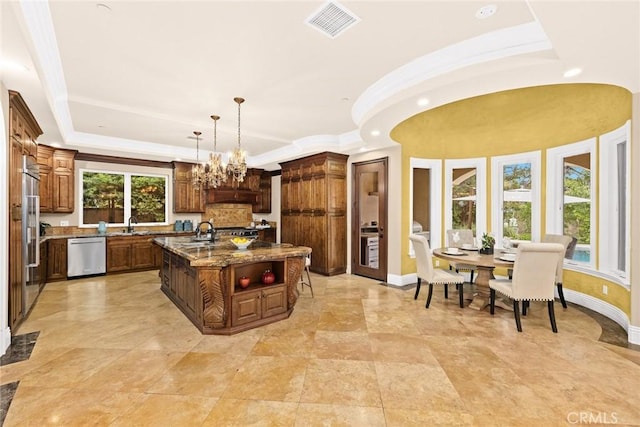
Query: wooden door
{"x": 369, "y": 219}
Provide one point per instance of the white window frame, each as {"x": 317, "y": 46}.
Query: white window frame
{"x": 127, "y": 196}
{"x": 555, "y": 194}
{"x": 480, "y": 165}
{"x": 608, "y": 218}
{"x": 435, "y": 190}
{"x": 497, "y": 194}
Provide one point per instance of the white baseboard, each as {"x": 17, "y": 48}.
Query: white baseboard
{"x": 607, "y": 310}
{"x": 401, "y": 280}
{"x": 633, "y": 334}
{"x": 5, "y": 340}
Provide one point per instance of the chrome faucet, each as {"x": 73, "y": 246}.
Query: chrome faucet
{"x": 129, "y": 227}
{"x": 210, "y": 230}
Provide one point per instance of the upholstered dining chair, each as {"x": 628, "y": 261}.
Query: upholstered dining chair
{"x": 569, "y": 244}
{"x": 534, "y": 274}
{"x": 455, "y": 239}
{"x": 431, "y": 275}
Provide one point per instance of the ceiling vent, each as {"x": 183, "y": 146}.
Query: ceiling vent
{"x": 332, "y": 19}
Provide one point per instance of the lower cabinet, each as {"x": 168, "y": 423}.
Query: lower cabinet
{"x": 41, "y": 272}
{"x": 267, "y": 234}
{"x": 57, "y": 260}
{"x": 250, "y": 306}
{"x": 132, "y": 253}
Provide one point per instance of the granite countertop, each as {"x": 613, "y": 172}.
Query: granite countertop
{"x": 223, "y": 253}
{"x": 116, "y": 234}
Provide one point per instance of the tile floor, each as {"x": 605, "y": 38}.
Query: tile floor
{"x": 114, "y": 351}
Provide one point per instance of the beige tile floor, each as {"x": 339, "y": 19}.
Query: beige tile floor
{"x": 114, "y": 351}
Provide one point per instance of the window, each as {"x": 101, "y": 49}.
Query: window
{"x": 516, "y": 197}
{"x": 465, "y": 200}
{"x": 570, "y": 195}
{"x": 114, "y": 197}
{"x": 615, "y": 203}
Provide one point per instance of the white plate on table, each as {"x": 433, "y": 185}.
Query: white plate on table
{"x": 453, "y": 253}
{"x": 507, "y": 258}
{"x": 473, "y": 248}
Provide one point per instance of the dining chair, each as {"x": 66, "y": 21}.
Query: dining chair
{"x": 534, "y": 274}
{"x": 456, "y": 238}
{"x": 569, "y": 244}
{"x": 431, "y": 275}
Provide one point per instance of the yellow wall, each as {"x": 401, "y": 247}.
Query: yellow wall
{"x": 512, "y": 122}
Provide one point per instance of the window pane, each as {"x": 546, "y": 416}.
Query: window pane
{"x": 148, "y": 198}
{"x": 516, "y": 207}
{"x": 577, "y": 204}
{"x": 102, "y": 197}
{"x": 464, "y": 199}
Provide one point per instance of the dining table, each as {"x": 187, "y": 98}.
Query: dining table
{"x": 485, "y": 264}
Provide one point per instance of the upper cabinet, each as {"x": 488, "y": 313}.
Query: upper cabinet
{"x": 186, "y": 197}
{"x": 57, "y": 178}
{"x": 23, "y": 126}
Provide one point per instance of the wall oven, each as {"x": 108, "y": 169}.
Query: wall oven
{"x": 30, "y": 232}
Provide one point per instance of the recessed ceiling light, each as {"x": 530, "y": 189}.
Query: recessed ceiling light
{"x": 423, "y": 102}
{"x": 572, "y": 72}
{"x": 375, "y": 132}
{"x": 345, "y": 99}
{"x": 486, "y": 11}
{"x": 103, "y": 7}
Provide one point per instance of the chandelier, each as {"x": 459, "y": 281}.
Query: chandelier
{"x": 237, "y": 166}
{"x": 215, "y": 169}
{"x": 198, "y": 173}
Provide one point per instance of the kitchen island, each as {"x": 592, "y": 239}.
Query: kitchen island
{"x": 202, "y": 280}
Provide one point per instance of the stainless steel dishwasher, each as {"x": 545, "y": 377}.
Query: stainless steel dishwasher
{"x": 86, "y": 256}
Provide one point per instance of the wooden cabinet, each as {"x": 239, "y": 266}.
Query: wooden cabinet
{"x": 45, "y": 163}
{"x": 132, "y": 253}
{"x": 57, "y": 179}
{"x": 119, "y": 254}
{"x": 251, "y": 306}
{"x": 314, "y": 205}
{"x": 267, "y": 234}
{"x": 41, "y": 272}
{"x": 57, "y": 260}
{"x": 263, "y": 204}
{"x": 62, "y": 183}
{"x": 186, "y": 197}
{"x": 23, "y": 132}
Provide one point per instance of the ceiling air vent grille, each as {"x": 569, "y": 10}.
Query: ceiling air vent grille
{"x": 332, "y": 19}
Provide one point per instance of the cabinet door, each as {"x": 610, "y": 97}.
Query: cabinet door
{"x": 46, "y": 190}
{"x": 42, "y": 267}
{"x": 142, "y": 255}
{"x": 57, "y": 262}
{"x": 246, "y": 307}
{"x": 63, "y": 181}
{"x": 274, "y": 300}
{"x": 186, "y": 197}
{"x": 118, "y": 255}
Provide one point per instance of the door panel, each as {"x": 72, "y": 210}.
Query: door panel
{"x": 369, "y": 219}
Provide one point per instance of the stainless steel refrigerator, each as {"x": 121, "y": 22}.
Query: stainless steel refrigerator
{"x": 30, "y": 232}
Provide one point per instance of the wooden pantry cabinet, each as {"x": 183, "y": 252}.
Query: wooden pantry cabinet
{"x": 23, "y": 132}
{"x": 314, "y": 209}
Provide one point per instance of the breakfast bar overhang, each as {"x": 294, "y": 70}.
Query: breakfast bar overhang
{"x": 202, "y": 280}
